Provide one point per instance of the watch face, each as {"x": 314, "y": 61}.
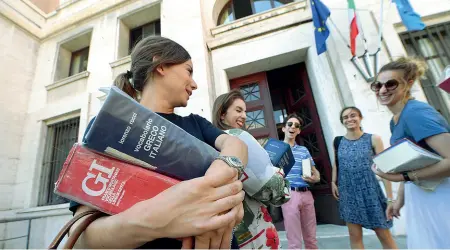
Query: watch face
{"x": 235, "y": 161}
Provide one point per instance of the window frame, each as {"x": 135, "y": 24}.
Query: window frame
{"x": 84, "y": 54}
{"x": 156, "y": 26}
{"x": 49, "y": 174}
{"x": 252, "y": 5}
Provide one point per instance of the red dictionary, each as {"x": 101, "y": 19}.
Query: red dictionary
{"x": 105, "y": 183}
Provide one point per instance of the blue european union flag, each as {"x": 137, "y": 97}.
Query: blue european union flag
{"x": 409, "y": 17}
{"x": 320, "y": 13}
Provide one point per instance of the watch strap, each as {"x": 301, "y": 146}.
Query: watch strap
{"x": 406, "y": 176}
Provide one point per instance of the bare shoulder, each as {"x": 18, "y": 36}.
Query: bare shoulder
{"x": 377, "y": 143}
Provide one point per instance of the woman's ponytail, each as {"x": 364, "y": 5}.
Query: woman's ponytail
{"x": 122, "y": 82}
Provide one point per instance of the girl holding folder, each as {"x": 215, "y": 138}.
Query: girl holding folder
{"x": 427, "y": 223}
{"x": 256, "y": 231}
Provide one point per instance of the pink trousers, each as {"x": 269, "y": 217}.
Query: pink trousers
{"x": 300, "y": 220}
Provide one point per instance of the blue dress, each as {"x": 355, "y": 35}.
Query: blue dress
{"x": 361, "y": 199}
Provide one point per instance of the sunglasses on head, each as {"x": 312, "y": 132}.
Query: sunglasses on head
{"x": 389, "y": 85}
{"x": 297, "y": 125}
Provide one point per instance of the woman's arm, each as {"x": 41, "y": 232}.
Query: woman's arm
{"x": 219, "y": 239}
{"x": 189, "y": 208}
{"x": 377, "y": 145}
{"x": 441, "y": 144}
{"x": 231, "y": 146}
{"x": 401, "y": 194}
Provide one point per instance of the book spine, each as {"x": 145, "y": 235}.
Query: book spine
{"x": 107, "y": 184}
{"x": 67, "y": 163}
{"x": 127, "y": 130}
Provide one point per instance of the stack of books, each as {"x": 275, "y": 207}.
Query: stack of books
{"x": 131, "y": 154}
{"x": 107, "y": 184}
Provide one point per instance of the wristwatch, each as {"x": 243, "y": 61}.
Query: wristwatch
{"x": 406, "y": 176}
{"x": 233, "y": 162}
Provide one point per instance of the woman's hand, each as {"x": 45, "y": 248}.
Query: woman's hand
{"x": 389, "y": 177}
{"x": 393, "y": 209}
{"x": 335, "y": 190}
{"x": 221, "y": 238}
{"x": 192, "y": 207}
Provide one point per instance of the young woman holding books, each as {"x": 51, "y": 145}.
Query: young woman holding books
{"x": 207, "y": 207}
{"x": 362, "y": 202}
{"x": 256, "y": 231}
{"x": 427, "y": 224}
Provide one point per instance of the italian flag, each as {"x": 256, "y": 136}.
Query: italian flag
{"x": 353, "y": 25}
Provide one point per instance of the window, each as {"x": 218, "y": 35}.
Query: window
{"x": 137, "y": 24}
{"x": 60, "y": 138}
{"x": 236, "y": 9}
{"x": 149, "y": 29}
{"x": 79, "y": 61}
{"x": 433, "y": 45}
{"x": 73, "y": 55}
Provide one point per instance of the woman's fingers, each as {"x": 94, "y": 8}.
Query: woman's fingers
{"x": 202, "y": 241}
{"x": 226, "y": 238}
{"x": 216, "y": 239}
{"x": 222, "y": 220}
{"x": 389, "y": 213}
{"x": 228, "y": 202}
{"x": 240, "y": 214}
{"x": 187, "y": 243}
{"x": 219, "y": 174}
{"x": 228, "y": 190}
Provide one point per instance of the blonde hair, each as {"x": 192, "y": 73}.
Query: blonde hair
{"x": 412, "y": 68}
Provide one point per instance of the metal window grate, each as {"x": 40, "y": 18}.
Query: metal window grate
{"x": 433, "y": 45}
{"x": 60, "y": 139}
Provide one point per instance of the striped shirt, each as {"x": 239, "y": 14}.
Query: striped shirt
{"x": 295, "y": 175}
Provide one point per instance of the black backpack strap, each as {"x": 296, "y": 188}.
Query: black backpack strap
{"x": 336, "y": 142}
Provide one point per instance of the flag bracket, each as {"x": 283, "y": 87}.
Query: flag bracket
{"x": 357, "y": 63}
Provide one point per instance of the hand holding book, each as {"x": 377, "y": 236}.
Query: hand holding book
{"x": 395, "y": 177}
{"x": 406, "y": 157}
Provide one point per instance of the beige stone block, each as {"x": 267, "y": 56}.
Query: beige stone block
{"x": 12, "y": 148}
{"x": 6, "y": 195}
{"x": 21, "y": 193}
{"x": 69, "y": 89}
{"x": 43, "y": 230}
{"x": 16, "y": 229}
{"x": 8, "y": 168}
{"x": 19, "y": 243}
{"x": 2, "y": 232}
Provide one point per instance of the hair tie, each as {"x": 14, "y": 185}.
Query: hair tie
{"x": 129, "y": 74}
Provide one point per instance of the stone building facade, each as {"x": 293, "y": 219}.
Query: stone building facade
{"x": 57, "y": 54}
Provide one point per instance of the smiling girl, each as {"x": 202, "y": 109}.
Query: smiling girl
{"x": 361, "y": 199}
{"x": 427, "y": 225}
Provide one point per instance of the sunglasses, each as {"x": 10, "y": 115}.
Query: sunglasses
{"x": 389, "y": 85}
{"x": 297, "y": 125}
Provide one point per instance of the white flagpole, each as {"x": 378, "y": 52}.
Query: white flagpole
{"x": 366, "y": 56}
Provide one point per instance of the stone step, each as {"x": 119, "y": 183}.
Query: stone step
{"x": 336, "y": 237}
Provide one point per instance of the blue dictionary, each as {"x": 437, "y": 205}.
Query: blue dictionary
{"x": 280, "y": 154}
{"x": 126, "y": 130}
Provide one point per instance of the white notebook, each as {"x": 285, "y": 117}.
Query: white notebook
{"x": 306, "y": 167}
{"x": 407, "y": 156}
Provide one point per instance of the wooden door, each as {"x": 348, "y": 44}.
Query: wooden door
{"x": 300, "y": 100}
{"x": 260, "y": 122}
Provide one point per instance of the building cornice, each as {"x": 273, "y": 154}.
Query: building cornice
{"x": 52, "y": 23}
